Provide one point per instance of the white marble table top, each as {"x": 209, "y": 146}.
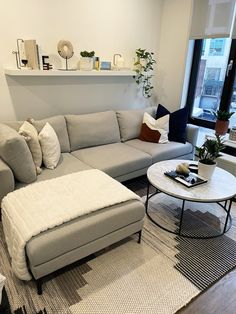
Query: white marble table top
{"x": 221, "y": 186}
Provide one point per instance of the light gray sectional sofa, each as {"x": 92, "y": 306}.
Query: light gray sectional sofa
{"x": 107, "y": 141}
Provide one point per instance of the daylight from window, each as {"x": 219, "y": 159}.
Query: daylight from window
{"x": 210, "y": 80}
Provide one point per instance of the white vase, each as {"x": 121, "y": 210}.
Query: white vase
{"x": 205, "y": 170}
{"x": 86, "y": 64}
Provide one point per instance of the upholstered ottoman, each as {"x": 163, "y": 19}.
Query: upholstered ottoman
{"x": 44, "y": 233}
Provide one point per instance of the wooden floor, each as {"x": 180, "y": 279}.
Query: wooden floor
{"x": 218, "y": 299}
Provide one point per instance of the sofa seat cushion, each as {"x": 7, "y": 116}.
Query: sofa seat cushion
{"x": 67, "y": 164}
{"x": 82, "y": 230}
{"x": 161, "y": 152}
{"x": 114, "y": 159}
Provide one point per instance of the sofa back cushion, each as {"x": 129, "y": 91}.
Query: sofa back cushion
{"x": 59, "y": 125}
{"x": 92, "y": 129}
{"x": 14, "y": 124}
{"x": 130, "y": 122}
{"x": 16, "y": 154}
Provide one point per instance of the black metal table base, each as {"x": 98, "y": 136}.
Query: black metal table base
{"x": 226, "y": 207}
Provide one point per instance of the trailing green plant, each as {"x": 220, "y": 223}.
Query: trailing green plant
{"x": 143, "y": 66}
{"x": 223, "y": 115}
{"x": 210, "y": 150}
{"x": 87, "y": 54}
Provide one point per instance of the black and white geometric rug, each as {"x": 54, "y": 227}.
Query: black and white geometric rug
{"x": 160, "y": 275}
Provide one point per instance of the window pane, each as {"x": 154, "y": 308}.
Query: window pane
{"x": 233, "y": 106}
{"x": 217, "y": 47}
{"x": 210, "y": 79}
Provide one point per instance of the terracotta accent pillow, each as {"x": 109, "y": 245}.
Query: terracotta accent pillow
{"x": 155, "y": 131}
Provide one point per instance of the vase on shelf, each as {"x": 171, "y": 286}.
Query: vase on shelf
{"x": 86, "y": 64}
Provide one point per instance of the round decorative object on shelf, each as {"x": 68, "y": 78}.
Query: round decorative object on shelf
{"x": 65, "y": 50}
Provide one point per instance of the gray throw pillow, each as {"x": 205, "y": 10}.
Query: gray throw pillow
{"x": 15, "y": 152}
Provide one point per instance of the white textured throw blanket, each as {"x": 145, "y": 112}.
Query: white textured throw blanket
{"x": 28, "y": 211}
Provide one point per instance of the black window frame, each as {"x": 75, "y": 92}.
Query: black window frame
{"x": 227, "y": 87}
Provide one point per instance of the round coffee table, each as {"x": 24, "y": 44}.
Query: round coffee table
{"x": 220, "y": 189}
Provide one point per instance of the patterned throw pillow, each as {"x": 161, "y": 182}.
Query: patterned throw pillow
{"x": 50, "y": 145}
{"x": 30, "y": 134}
{"x": 177, "y": 125}
{"x": 155, "y": 131}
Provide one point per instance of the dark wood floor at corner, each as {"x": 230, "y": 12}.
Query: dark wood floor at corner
{"x": 218, "y": 299}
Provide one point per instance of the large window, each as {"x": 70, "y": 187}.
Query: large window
{"x": 212, "y": 81}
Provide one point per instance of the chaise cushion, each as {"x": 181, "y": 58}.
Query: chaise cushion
{"x": 68, "y": 237}
{"x": 130, "y": 122}
{"x": 59, "y": 125}
{"x": 16, "y": 154}
{"x": 115, "y": 159}
{"x": 159, "y": 152}
{"x": 93, "y": 129}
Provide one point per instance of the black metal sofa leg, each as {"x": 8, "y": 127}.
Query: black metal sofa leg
{"x": 39, "y": 284}
{"x": 139, "y": 236}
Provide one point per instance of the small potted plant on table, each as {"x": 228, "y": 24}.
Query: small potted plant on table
{"x": 86, "y": 60}
{"x": 222, "y": 121}
{"x": 207, "y": 155}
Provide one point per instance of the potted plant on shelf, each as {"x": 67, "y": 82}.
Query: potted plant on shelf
{"x": 142, "y": 66}
{"x": 207, "y": 155}
{"x": 86, "y": 60}
{"x": 222, "y": 121}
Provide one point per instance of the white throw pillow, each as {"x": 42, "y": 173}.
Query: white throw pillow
{"x": 160, "y": 127}
{"x": 50, "y": 146}
{"x": 30, "y": 134}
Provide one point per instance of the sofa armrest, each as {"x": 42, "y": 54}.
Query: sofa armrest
{"x": 192, "y": 134}
{"x": 7, "y": 182}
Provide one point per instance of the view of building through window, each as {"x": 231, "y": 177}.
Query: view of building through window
{"x": 210, "y": 79}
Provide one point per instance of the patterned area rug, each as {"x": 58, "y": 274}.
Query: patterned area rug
{"x": 160, "y": 275}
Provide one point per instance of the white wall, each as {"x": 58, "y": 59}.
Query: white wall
{"x": 174, "y": 40}
{"x": 105, "y": 26}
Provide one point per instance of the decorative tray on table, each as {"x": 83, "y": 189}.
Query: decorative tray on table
{"x": 189, "y": 181}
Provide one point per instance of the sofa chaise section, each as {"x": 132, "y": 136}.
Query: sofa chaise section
{"x": 74, "y": 240}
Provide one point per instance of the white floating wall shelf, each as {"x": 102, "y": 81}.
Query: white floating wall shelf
{"x": 22, "y": 72}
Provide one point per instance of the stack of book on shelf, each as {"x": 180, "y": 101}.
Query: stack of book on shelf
{"x": 32, "y": 54}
